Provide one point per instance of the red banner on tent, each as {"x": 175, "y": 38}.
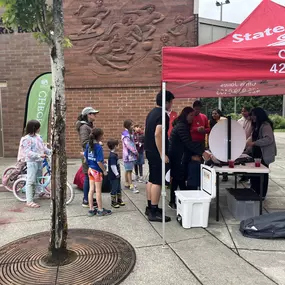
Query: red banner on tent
{"x": 248, "y": 62}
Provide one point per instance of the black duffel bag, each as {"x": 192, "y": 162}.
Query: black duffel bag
{"x": 268, "y": 226}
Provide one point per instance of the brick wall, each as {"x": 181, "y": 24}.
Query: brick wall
{"x": 21, "y": 60}
{"x": 115, "y": 105}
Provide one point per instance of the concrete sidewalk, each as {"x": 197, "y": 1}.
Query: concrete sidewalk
{"x": 214, "y": 256}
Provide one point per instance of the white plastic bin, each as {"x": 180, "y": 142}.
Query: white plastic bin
{"x": 193, "y": 208}
{"x": 242, "y": 210}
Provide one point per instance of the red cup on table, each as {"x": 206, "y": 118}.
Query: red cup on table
{"x": 257, "y": 162}
{"x": 231, "y": 163}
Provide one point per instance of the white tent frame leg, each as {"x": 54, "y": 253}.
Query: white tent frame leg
{"x": 163, "y": 192}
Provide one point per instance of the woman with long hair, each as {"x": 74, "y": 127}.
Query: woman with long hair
{"x": 84, "y": 126}
{"x": 262, "y": 145}
{"x": 217, "y": 115}
{"x": 181, "y": 151}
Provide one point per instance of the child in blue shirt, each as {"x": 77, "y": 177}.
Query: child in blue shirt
{"x": 95, "y": 159}
{"x": 114, "y": 174}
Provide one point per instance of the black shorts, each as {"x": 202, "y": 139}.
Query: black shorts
{"x": 155, "y": 168}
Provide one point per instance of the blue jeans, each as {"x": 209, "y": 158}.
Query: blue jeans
{"x": 34, "y": 170}
{"x": 86, "y": 188}
{"x": 115, "y": 186}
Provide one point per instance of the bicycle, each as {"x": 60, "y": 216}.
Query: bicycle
{"x": 9, "y": 177}
{"x": 43, "y": 183}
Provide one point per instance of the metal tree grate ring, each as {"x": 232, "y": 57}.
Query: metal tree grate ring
{"x": 102, "y": 258}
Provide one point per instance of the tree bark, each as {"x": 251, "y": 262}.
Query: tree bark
{"x": 59, "y": 230}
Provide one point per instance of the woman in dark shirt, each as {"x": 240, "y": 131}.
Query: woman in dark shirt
{"x": 181, "y": 151}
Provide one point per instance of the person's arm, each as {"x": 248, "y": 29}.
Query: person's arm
{"x": 136, "y": 139}
{"x": 142, "y": 139}
{"x": 130, "y": 145}
{"x": 184, "y": 134}
{"x": 112, "y": 29}
{"x": 101, "y": 165}
{"x": 47, "y": 151}
{"x": 160, "y": 19}
{"x": 158, "y": 138}
{"x": 100, "y": 159}
{"x": 85, "y": 154}
{"x": 106, "y": 13}
{"x": 207, "y": 125}
{"x": 79, "y": 9}
{"x": 113, "y": 165}
{"x": 115, "y": 170}
{"x": 171, "y": 31}
{"x": 137, "y": 12}
{"x": 84, "y": 133}
{"x": 194, "y": 129}
{"x": 267, "y": 136}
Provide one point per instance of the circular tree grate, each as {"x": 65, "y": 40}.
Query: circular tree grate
{"x": 102, "y": 258}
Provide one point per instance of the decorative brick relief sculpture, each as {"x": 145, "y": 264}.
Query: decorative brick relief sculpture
{"x": 120, "y": 42}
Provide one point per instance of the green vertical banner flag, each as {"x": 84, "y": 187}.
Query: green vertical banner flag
{"x": 38, "y": 103}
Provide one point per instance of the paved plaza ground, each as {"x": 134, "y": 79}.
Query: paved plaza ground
{"x": 214, "y": 256}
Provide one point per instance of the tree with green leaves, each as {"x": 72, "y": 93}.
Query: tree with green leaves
{"x": 272, "y": 104}
{"x": 47, "y": 16}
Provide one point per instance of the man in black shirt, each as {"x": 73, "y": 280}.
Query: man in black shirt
{"x": 153, "y": 149}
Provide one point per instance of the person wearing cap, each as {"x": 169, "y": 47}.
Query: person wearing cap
{"x": 84, "y": 126}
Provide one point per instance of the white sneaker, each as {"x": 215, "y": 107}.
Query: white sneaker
{"x": 140, "y": 180}
{"x": 135, "y": 191}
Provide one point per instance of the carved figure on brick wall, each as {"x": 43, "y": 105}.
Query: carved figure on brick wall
{"x": 164, "y": 42}
{"x": 180, "y": 30}
{"x": 91, "y": 15}
{"x": 129, "y": 34}
{"x": 111, "y": 52}
{"x": 148, "y": 17}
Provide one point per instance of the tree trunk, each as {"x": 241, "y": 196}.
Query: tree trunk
{"x": 58, "y": 234}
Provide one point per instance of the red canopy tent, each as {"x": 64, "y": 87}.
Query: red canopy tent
{"x": 248, "y": 62}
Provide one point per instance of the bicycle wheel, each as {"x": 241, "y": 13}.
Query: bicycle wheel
{"x": 43, "y": 181}
{"x": 19, "y": 189}
{"x": 6, "y": 181}
{"x": 69, "y": 193}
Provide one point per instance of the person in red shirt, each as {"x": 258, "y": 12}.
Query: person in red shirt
{"x": 200, "y": 126}
{"x": 172, "y": 116}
